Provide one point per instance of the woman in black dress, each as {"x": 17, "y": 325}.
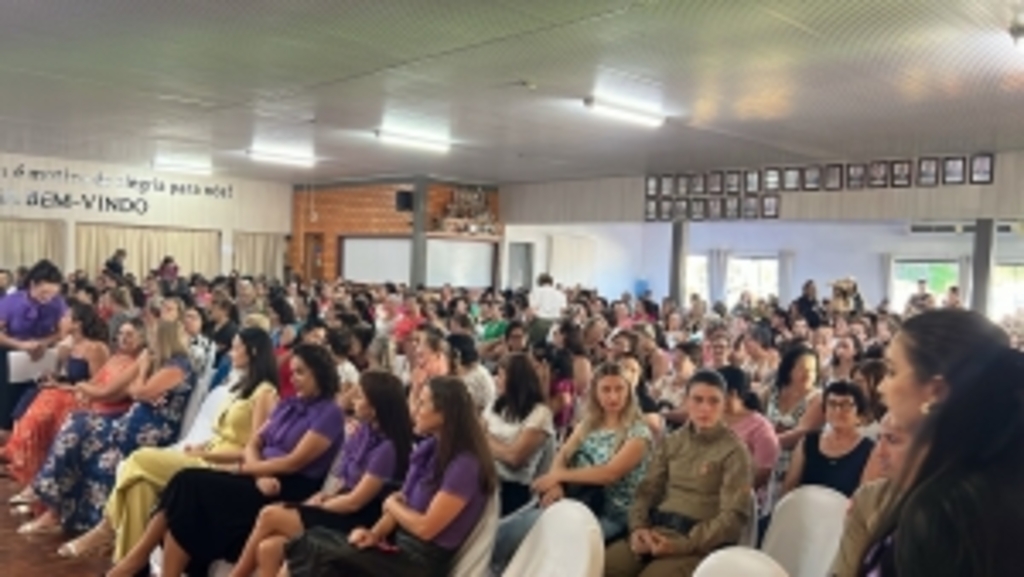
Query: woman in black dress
{"x": 207, "y": 514}
{"x": 374, "y": 458}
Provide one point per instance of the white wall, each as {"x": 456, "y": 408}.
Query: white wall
{"x": 72, "y": 192}
{"x": 823, "y": 251}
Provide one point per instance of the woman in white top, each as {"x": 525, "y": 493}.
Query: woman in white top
{"x": 519, "y": 425}
{"x": 340, "y": 342}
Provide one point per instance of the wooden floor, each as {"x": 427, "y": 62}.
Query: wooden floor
{"x": 22, "y": 556}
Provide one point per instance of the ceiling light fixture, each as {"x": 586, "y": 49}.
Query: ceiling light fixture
{"x": 413, "y": 142}
{"x": 182, "y": 168}
{"x": 625, "y": 114}
{"x": 285, "y": 159}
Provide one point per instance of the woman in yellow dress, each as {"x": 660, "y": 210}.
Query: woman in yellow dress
{"x": 147, "y": 471}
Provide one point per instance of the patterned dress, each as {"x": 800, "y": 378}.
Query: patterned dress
{"x": 783, "y": 423}
{"x": 80, "y": 470}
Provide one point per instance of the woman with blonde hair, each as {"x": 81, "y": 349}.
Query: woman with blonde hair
{"x": 600, "y": 464}
{"x": 79, "y": 471}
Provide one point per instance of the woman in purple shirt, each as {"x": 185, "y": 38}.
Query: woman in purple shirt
{"x": 375, "y": 457}
{"x": 207, "y": 514}
{"x": 29, "y": 322}
{"x": 451, "y": 477}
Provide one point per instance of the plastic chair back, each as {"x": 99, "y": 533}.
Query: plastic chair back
{"x": 739, "y": 561}
{"x": 474, "y": 556}
{"x": 805, "y": 531}
{"x": 565, "y": 542}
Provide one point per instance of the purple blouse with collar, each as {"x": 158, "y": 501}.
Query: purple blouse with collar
{"x": 27, "y": 318}
{"x": 461, "y": 478}
{"x": 366, "y": 452}
{"x": 294, "y": 417}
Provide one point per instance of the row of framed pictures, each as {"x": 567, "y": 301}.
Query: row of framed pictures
{"x": 929, "y": 172}
{"x": 747, "y": 207}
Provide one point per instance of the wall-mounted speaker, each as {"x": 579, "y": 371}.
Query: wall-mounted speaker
{"x": 403, "y": 200}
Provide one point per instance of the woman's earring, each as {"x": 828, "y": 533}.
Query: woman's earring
{"x": 926, "y": 408}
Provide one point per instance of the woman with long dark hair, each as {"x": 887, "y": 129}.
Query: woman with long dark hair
{"x": 206, "y": 514}
{"x": 742, "y": 414}
{"x": 373, "y": 463}
{"x": 146, "y": 472}
{"x": 958, "y": 510}
{"x": 451, "y": 477}
{"x": 518, "y": 425}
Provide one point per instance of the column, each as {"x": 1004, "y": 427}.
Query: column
{"x": 787, "y": 260}
{"x": 964, "y": 273}
{"x": 887, "y": 286}
{"x": 418, "y": 269}
{"x": 677, "y": 263}
{"x": 982, "y": 263}
{"x": 718, "y": 276}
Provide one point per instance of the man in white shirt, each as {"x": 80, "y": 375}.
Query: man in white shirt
{"x": 546, "y": 301}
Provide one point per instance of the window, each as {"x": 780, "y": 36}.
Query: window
{"x": 758, "y": 276}
{"x": 1007, "y": 294}
{"x": 696, "y": 277}
{"x": 938, "y": 274}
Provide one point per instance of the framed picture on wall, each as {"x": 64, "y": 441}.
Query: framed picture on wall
{"x": 715, "y": 210}
{"x": 733, "y": 182}
{"x": 834, "y": 177}
{"x": 666, "y": 209}
{"x": 752, "y": 182}
{"x": 791, "y": 179}
{"x": 699, "y": 209}
{"x": 751, "y": 207}
{"x": 928, "y": 172}
{"x": 770, "y": 206}
{"x": 652, "y": 186}
{"x": 682, "y": 209}
{"x": 855, "y": 176}
{"x": 697, "y": 184}
{"x": 732, "y": 207}
{"x": 982, "y": 166}
{"x": 772, "y": 179}
{"x": 715, "y": 182}
{"x": 668, "y": 186}
{"x": 682, "y": 185}
{"x": 902, "y": 176}
{"x": 812, "y": 178}
{"x": 651, "y": 210}
{"x": 954, "y": 170}
{"x": 878, "y": 174}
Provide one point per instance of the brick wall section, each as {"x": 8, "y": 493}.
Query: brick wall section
{"x": 364, "y": 210}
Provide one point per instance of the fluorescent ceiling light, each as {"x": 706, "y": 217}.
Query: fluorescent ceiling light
{"x": 627, "y": 115}
{"x": 285, "y": 159}
{"x": 413, "y": 142}
{"x": 183, "y": 168}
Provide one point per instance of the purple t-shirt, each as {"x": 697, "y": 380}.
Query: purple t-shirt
{"x": 26, "y": 318}
{"x": 366, "y": 452}
{"x": 461, "y": 478}
{"x": 293, "y": 418}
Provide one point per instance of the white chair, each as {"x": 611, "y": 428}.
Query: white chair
{"x": 200, "y": 429}
{"x": 805, "y": 531}
{"x": 565, "y": 542}
{"x": 749, "y": 536}
{"x": 22, "y": 369}
{"x": 198, "y": 395}
{"x": 737, "y": 562}
{"x": 474, "y": 556}
{"x": 217, "y": 568}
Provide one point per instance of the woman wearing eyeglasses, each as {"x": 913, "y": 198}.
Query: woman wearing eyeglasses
{"x": 835, "y": 457}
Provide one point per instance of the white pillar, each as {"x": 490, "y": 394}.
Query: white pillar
{"x": 886, "y": 264}
{"x": 787, "y": 282}
{"x": 718, "y": 270}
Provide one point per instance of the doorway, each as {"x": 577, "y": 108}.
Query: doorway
{"x": 313, "y": 256}
{"x": 520, "y": 265}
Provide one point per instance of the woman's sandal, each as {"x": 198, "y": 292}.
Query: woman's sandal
{"x": 36, "y": 527}
{"x": 81, "y": 547}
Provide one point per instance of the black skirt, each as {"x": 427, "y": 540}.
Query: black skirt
{"x": 323, "y": 553}
{"x": 342, "y": 523}
{"x": 211, "y": 513}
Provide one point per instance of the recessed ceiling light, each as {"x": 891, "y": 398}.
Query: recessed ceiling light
{"x": 279, "y": 158}
{"x": 183, "y": 168}
{"x": 625, "y": 114}
{"x": 413, "y": 142}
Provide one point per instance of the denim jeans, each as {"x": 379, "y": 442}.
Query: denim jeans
{"x": 512, "y": 531}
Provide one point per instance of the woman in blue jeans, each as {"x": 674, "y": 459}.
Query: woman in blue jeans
{"x": 606, "y": 456}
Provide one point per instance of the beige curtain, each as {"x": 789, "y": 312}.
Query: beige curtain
{"x": 23, "y": 242}
{"x": 195, "y": 251}
{"x": 259, "y": 253}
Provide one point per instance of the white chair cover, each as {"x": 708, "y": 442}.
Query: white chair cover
{"x": 474, "y": 557}
{"x": 198, "y": 395}
{"x": 749, "y": 536}
{"x": 22, "y": 369}
{"x": 201, "y": 429}
{"x": 565, "y": 542}
{"x": 737, "y": 562}
{"x": 805, "y": 531}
